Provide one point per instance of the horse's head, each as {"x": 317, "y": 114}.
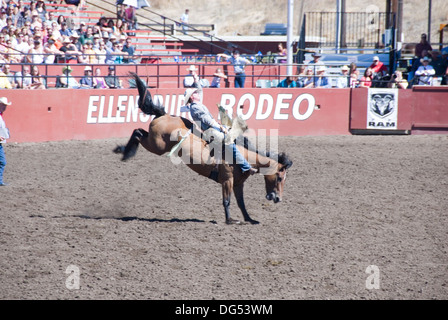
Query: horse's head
{"x": 275, "y": 182}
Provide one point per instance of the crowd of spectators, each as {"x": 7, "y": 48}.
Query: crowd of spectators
{"x": 31, "y": 34}
{"x": 430, "y": 66}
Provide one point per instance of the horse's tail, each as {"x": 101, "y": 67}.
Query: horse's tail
{"x": 146, "y": 104}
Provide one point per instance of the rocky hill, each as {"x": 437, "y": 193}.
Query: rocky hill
{"x": 236, "y": 17}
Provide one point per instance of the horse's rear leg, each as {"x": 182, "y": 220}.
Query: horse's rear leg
{"x": 131, "y": 147}
{"x": 239, "y": 195}
{"x": 227, "y": 187}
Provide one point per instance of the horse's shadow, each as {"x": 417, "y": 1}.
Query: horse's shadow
{"x": 127, "y": 219}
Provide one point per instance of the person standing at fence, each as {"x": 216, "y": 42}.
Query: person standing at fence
{"x": 184, "y": 21}
{"x": 423, "y": 45}
{"x": 4, "y": 134}
{"x": 239, "y": 64}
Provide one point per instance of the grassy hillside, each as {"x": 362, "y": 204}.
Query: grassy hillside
{"x": 249, "y": 17}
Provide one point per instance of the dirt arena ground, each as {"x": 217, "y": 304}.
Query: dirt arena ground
{"x": 148, "y": 229}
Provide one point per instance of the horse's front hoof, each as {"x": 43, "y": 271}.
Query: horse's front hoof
{"x": 119, "y": 150}
{"x": 233, "y": 221}
{"x": 251, "y": 221}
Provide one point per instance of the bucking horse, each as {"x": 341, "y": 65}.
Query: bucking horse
{"x": 169, "y": 133}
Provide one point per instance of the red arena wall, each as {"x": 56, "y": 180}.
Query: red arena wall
{"x": 67, "y": 114}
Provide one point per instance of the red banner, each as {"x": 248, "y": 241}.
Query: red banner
{"x": 65, "y": 114}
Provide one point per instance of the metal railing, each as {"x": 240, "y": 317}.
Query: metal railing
{"x": 357, "y": 29}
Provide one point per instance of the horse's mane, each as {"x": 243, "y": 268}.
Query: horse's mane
{"x": 281, "y": 158}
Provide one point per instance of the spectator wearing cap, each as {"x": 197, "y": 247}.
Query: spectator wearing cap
{"x": 320, "y": 80}
{"x": 316, "y": 58}
{"x": 313, "y": 64}
{"x": 82, "y": 28}
{"x": 74, "y": 38}
{"x": 51, "y": 50}
{"x": 378, "y": 68}
{"x": 112, "y": 40}
{"x": 106, "y": 39}
{"x": 87, "y": 82}
{"x": 343, "y": 80}
{"x": 111, "y": 79}
{"x": 65, "y": 31}
{"x": 70, "y": 52}
{"x": 66, "y": 80}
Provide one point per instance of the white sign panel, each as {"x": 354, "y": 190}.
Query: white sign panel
{"x": 382, "y": 109}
